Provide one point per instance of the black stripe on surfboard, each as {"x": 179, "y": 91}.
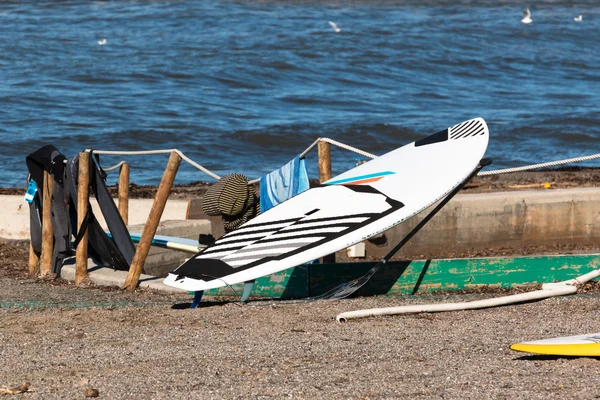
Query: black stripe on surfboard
{"x": 468, "y": 132}
{"x": 263, "y": 224}
{"x": 299, "y": 221}
{"x": 250, "y": 233}
{"x": 466, "y": 128}
{"x": 220, "y": 247}
{"x": 276, "y": 237}
{"x": 461, "y": 129}
{"x": 203, "y": 268}
{"x": 458, "y": 126}
{"x": 439, "y": 137}
{"x": 474, "y": 132}
{"x": 299, "y": 235}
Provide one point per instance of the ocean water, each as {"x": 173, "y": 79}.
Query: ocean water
{"x": 243, "y": 86}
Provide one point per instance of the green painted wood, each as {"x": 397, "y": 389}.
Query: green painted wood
{"x": 411, "y": 277}
{"x": 291, "y": 283}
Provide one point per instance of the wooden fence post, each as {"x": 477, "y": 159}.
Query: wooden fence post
{"x": 83, "y": 199}
{"x": 324, "y": 151}
{"x": 152, "y": 222}
{"x": 47, "y": 232}
{"x": 124, "y": 193}
{"x": 34, "y": 261}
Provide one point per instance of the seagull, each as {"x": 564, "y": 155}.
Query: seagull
{"x": 335, "y": 27}
{"x": 578, "y": 19}
{"x": 526, "y": 16}
{"x": 102, "y": 42}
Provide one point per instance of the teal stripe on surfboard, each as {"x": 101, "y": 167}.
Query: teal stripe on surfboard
{"x": 360, "y": 178}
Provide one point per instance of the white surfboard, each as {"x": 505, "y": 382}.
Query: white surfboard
{"x": 345, "y": 210}
{"x": 580, "y": 345}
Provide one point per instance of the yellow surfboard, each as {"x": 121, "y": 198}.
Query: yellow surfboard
{"x": 581, "y": 345}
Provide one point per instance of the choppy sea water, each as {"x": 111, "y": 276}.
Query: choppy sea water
{"x": 243, "y": 86}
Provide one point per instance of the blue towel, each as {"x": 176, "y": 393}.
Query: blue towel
{"x": 283, "y": 184}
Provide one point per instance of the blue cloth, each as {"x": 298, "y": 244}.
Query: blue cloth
{"x": 283, "y": 184}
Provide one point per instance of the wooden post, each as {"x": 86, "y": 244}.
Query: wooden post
{"x": 324, "y": 150}
{"x": 158, "y": 207}
{"x": 47, "y": 232}
{"x": 124, "y": 193}
{"x": 34, "y": 261}
{"x": 83, "y": 201}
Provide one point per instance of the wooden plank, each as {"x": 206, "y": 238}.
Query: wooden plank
{"x": 324, "y": 151}
{"x": 34, "y": 261}
{"x": 422, "y": 276}
{"x": 194, "y": 209}
{"x": 47, "y": 231}
{"x": 83, "y": 201}
{"x": 158, "y": 207}
{"x": 124, "y": 193}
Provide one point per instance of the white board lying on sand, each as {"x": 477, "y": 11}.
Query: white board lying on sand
{"x": 581, "y": 345}
{"x": 345, "y": 210}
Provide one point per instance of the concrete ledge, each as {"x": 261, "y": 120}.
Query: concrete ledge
{"x": 468, "y": 222}
{"x": 501, "y": 220}
{"x": 106, "y": 276}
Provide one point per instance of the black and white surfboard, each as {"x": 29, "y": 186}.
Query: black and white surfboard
{"x": 345, "y": 210}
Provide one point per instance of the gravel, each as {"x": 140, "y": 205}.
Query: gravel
{"x": 69, "y": 342}
{"x": 65, "y": 340}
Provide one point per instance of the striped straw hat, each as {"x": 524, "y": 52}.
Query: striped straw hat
{"x": 233, "y": 199}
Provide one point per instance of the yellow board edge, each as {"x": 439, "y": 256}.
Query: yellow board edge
{"x": 575, "y": 350}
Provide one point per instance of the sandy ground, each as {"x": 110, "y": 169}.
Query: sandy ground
{"x": 66, "y": 340}
{"x": 63, "y": 339}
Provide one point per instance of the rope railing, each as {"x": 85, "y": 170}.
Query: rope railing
{"x": 115, "y": 166}
{"x": 338, "y": 144}
{"x": 343, "y": 146}
{"x": 207, "y": 171}
{"x": 541, "y": 165}
{"x": 149, "y": 152}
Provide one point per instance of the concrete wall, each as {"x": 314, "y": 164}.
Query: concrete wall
{"x": 468, "y": 222}
{"x": 502, "y": 219}
{"x": 14, "y": 218}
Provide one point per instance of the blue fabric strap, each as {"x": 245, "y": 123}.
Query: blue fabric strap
{"x": 283, "y": 184}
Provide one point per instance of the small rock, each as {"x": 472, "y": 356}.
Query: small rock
{"x": 91, "y": 392}
{"x": 23, "y": 388}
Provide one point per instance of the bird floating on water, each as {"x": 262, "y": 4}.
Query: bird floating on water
{"x": 578, "y": 18}
{"x": 102, "y": 42}
{"x": 335, "y": 27}
{"x": 526, "y": 16}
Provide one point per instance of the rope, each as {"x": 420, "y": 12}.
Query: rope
{"x": 114, "y": 166}
{"x": 343, "y": 146}
{"x": 148, "y": 152}
{"x": 208, "y": 172}
{"x": 541, "y": 165}
{"x": 338, "y": 144}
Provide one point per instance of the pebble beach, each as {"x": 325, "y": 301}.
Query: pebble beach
{"x": 64, "y": 340}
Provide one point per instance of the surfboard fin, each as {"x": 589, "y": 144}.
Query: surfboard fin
{"x": 248, "y": 286}
{"x": 197, "y": 299}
